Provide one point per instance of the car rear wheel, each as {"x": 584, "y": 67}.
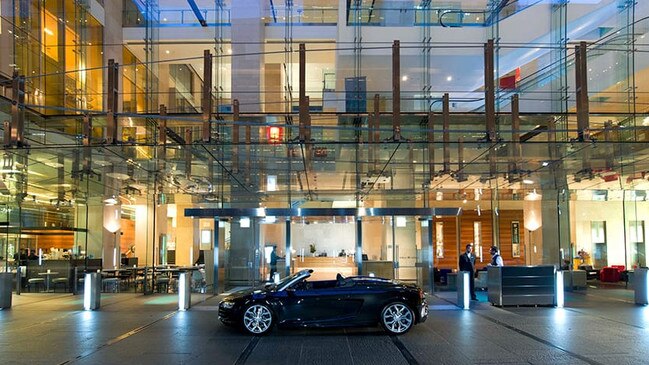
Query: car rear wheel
{"x": 258, "y": 319}
{"x": 397, "y": 318}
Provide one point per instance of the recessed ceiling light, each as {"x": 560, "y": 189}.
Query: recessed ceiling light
{"x": 449, "y": 78}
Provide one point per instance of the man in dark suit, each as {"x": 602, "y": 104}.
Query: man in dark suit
{"x": 467, "y": 263}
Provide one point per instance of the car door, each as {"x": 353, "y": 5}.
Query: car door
{"x": 326, "y": 306}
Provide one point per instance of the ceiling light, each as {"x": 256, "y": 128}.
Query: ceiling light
{"x": 404, "y": 78}
{"x": 449, "y": 78}
{"x": 528, "y": 181}
{"x": 167, "y": 52}
{"x": 111, "y": 201}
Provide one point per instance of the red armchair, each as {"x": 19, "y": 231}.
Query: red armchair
{"x": 609, "y": 274}
{"x": 619, "y": 268}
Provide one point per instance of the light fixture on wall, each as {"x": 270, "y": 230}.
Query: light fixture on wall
{"x": 112, "y": 223}
{"x": 244, "y": 222}
{"x": 110, "y": 200}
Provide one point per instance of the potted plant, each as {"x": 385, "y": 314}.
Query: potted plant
{"x": 312, "y": 248}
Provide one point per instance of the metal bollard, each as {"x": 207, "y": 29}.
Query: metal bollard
{"x": 92, "y": 291}
{"x": 6, "y": 289}
{"x": 640, "y": 286}
{"x": 184, "y": 291}
{"x": 463, "y": 289}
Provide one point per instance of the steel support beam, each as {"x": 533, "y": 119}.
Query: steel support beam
{"x": 490, "y": 91}
{"x": 206, "y": 101}
{"x": 197, "y": 13}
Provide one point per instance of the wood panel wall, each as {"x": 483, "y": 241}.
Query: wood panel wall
{"x": 453, "y": 249}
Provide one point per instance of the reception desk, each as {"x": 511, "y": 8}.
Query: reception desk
{"x": 381, "y": 269}
{"x": 521, "y": 285}
{"x": 326, "y": 268}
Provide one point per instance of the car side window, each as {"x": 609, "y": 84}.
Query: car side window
{"x": 302, "y": 285}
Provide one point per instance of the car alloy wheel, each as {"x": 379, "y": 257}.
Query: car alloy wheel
{"x": 397, "y": 318}
{"x": 257, "y": 319}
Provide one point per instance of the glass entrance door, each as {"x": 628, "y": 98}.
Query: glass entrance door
{"x": 324, "y": 244}
{"x": 406, "y": 246}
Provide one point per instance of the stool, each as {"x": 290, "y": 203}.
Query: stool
{"x": 111, "y": 284}
{"x": 162, "y": 281}
{"x": 60, "y": 281}
{"x": 138, "y": 282}
{"x": 35, "y": 282}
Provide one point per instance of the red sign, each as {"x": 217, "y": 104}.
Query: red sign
{"x": 275, "y": 134}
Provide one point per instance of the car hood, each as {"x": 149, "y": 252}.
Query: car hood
{"x": 248, "y": 292}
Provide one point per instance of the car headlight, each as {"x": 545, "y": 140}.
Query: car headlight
{"x": 227, "y": 305}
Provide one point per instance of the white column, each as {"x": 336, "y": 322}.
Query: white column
{"x": 247, "y": 38}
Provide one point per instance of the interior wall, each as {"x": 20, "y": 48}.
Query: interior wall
{"x": 327, "y": 237}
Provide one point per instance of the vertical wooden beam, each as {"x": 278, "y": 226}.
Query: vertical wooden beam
{"x": 17, "y": 129}
{"x": 396, "y": 90}
{"x": 608, "y": 137}
{"x": 446, "y": 135}
{"x": 112, "y": 97}
{"x": 490, "y": 90}
{"x": 87, "y": 152}
{"x": 60, "y": 172}
{"x": 206, "y": 102}
{"x": 303, "y": 107}
{"x": 581, "y": 83}
{"x": 235, "y": 134}
{"x": 162, "y": 134}
{"x": 459, "y": 176}
{"x": 552, "y": 138}
{"x": 515, "y": 151}
{"x": 430, "y": 138}
{"x": 188, "y": 152}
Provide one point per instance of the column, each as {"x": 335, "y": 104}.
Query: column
{"x": 247, "y": 38}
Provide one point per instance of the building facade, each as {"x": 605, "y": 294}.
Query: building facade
{"x": 354, "y": 136}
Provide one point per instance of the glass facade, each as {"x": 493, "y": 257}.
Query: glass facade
{"x": 520, "y": 124}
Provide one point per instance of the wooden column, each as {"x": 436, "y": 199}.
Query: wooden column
{"x": 396, "y": 90}
{"x": 490, "y": 90}
{"x": 112, "y": 97}
{"x": 581, "y": 83}
{"x": 206, "y": 101}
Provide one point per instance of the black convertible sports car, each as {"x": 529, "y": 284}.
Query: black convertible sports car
{"x": 351, "y": 301}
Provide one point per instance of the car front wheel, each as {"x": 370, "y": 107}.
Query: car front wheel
{"x": 257, "y": 319}
{"x": 397, "y": 318}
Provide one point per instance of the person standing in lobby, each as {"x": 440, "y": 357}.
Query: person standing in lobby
{"x": 496, "y": 259}
{"x": 467, "y": 263}
{"x": 273, "y": 263}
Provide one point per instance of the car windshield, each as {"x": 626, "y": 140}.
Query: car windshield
{"x": 282, "y": 283}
